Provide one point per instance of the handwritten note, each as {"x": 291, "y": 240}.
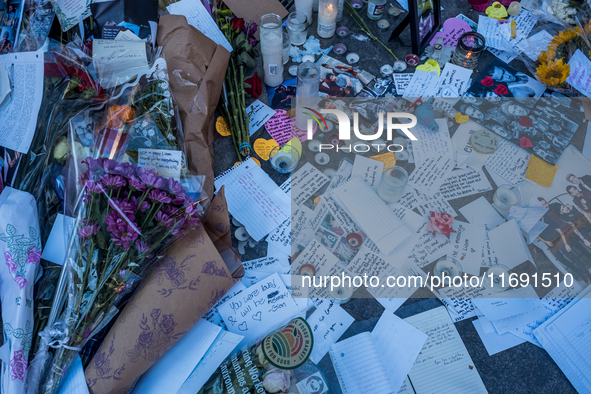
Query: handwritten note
{"x": 258, "y": 114}
{"x": 429, "y": 247}
{"x": 453, "y": 81}
{"x": 496, "y": 33}
{"x": 444, "y": 364}
{"x": 329, "y": 322}
{"x": 369, "y": 170}
{"x": 422, "y": 84}
{"x": 509, "y": 161}
{"x": 462, "y": 183}
{"x": 401, "y": 81}
{"x": 253, "y": 311}
{"x": 467, "y": 242}
{"x": 453, "y": 28}
{"x": 279, "y": 127}
{"x": 119, "y": 61}
{"x": 580, "y": 73}
{"x": 305, "y": 182}
{"x": 167, "y": 163}
{"x": 254, "y": 199}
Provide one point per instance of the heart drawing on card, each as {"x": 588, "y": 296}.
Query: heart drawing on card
{"x": 264, "y": 147}
{"x": 257, "y": 316}
{"x": 525, "y": 143}
{"x": 242, "y": 326}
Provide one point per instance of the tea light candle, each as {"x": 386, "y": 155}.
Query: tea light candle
{"x": 399, "y": 66}
{"x": 307, "y": 58}
{"x": 352, "y": 58}
{"x": 470, "y": 47}
{"x": 272, "y": 48}
{"x": 341, "y": 294}
{"x": 307, "y": 270}
{"x": 514, "y": 8}
{"x": 314, "y": 145}
{"x": 342, "y": 31}
{"x": 411, "y": 59}
{"x": 386, "y": 70}
{"x": 383, "y": 24}
{"x": 327, "y": 18}
{"x": 357, "y": 4}
{"x": 496, "y": 278}
{"x": 505, "y": 197}
{"x": 448, "y": 268}
{"x": 322, "y": 158}
{"x": 393, "y": 12}
{"x": 339, "y": 49}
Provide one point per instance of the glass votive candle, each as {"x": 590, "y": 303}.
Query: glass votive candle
{"x": 286, "y": 47}
{"x": 272, "y": 48}
{"x": 505, "y": 197}
{"x": 297, "y": 26}
{"x": 393, "y": 183}
{"x": 284, "y": 160}
{"x": 470, "y": 47}
{"x": 514, "y": 8}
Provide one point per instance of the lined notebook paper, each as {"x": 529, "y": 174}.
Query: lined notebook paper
{"x": 359, "y": 367}
{"x": 254, "y": 199}
{"x": 372, "y": 214}
{"x": 444, "y": 365}
{"x": 567, "y": 338}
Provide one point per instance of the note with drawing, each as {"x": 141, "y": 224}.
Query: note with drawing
{"x": 252, "y": 311}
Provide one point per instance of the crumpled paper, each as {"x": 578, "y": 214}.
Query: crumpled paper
{"x": 20, "y": 248}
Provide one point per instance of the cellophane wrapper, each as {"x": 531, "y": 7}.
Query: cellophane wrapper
{"x": 131, "y": 195}
{"x": 569, "y": 24}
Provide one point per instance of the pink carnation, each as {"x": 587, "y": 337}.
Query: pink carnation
{"x": 441, "y": 222}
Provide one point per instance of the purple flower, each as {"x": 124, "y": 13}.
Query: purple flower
{"x": 145, "y": 338}
{"x": 125, "y": 169}
{"x": 170, "y": 210}
{"x": 178, "y": 199}
{"x": 152, "y": 181}
{"x": 155, "y": 314}
{"x": 86, "y": 197}
{"x": 145, "y": 205}
{"x": 123, "y": 235}
{"x": 93, "y": 165}
{"x": 88, "y": 230}
{"x": 109, "y": 165}
{"x": 128, "y": 208}
{"x": 159, "y": 196}
{"x": 167, "y": 324}
{"x": 174, "y": 187}
{"x": 113, "y": 181}
{"x": 163, "y": 218}
{"x": 20, "y": 281}
{"x": 136, "y": 184}
{"x": 141, "y": 246}
{"x": 178, "y": 226}
{"x": 94, "y": 187}
{"x": 250, "y": 28}
{"x": 191, "y": 209}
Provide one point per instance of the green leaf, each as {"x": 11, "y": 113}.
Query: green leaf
{"x": 10, "y": 229}
{"x": 32, "y": 233}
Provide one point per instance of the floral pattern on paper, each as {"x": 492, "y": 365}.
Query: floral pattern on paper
{"x": 18, "y": 366}
{"x": 156, "y": 337}
{"x": 210, "y": 268}
{"x": 20, "y": 252}
{"x": 24, "y": 334}
{"x": 175, "y": 274}
{"x": 102, "y": 366}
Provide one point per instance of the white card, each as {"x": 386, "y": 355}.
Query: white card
{"x": 580, "y": 73}
{"x": 253, "y": 311}
{"x": 467, "y": 241}
{"x": 328, "y": 322}
{"x": 258, "y": 114}
{"x": 167, "y": 163}
{"x": 496, "y": 32}
{"x": 369, "y": 170}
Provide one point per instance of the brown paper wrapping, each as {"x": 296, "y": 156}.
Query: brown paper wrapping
{"x": 197, "y": 68}
{"x": 190, "y": 278}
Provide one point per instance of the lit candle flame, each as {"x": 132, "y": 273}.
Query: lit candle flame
{"x": 330, "y": 7}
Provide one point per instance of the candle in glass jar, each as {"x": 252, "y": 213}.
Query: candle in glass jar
{"x": 327, "y": 17}
{"x": 272, "y": 48}
{"x": 306, "y": 6}
{"x": 470, "y": 47}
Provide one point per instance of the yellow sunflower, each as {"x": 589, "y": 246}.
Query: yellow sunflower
{"x": 554, "y": 72}
{"x": 546, "y": 56}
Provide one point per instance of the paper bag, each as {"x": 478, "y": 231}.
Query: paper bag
{"x": 20, "y": 248}
{"x": 197, "y": 68}
{"x": 186, "y": 283}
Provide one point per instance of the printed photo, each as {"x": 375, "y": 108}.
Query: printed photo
{"x": 7, "y": 36}
{"x": 338, "y": 79}
{"x": 280, "y": 97}
{"x": 567, "y": 238}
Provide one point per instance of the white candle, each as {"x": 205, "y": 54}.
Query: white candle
{"x": 307, "y": 7}
{"x": 327, "y": 17}
{"x": 272, "y": 49}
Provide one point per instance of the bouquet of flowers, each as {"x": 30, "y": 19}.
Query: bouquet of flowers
{"x": 233, "y": 101}
{"x": 126, "y": 212}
